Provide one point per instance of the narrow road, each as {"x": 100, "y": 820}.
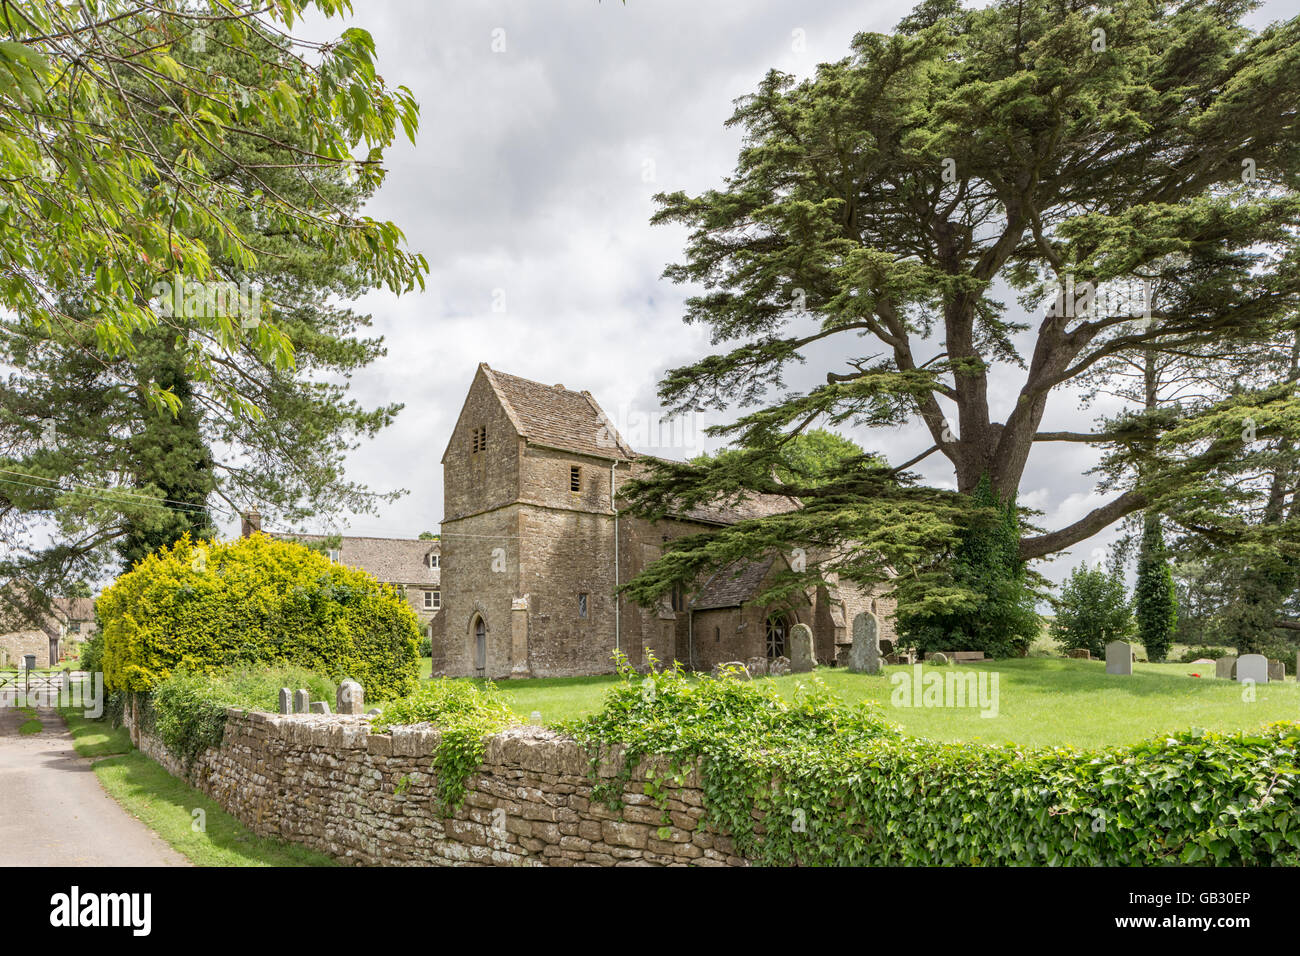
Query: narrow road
{"x": 53, "y": 811}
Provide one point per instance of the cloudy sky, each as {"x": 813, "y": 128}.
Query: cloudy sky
{"x": 545, "y": 129}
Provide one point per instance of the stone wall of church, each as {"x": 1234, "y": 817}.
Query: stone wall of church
{"x": 328, "y": 783}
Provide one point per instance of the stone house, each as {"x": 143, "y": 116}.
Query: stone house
{"x": 48, "y": 635}
{"x": 534, "y": 550}
{"x": 412, "y": 565}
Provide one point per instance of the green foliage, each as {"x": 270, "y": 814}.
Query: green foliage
{"x": 1154, "y": 597}
{"x": 464, "y": 713}
{"x": 879, "y": 206}
{"x": 256, "y": 600}
{"x": 836, "y": 786}
{"x": 1093, "y": 610}
{"x": 980, "y": 597}
{"x": 119, "y": 140}
{"x": 188, "y": 708}
{"x": 807, "y": 459}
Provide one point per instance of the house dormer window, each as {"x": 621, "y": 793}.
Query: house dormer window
{"x": 478, "y": 441}
{"x": 575, "y": 479}
{"x": 431, "y": 560}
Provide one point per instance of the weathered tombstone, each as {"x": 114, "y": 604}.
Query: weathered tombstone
{"x": 286, "y": 701}
{"x": 373, "y": 712}
{"x": 320, "y": 707}
{"x": 1119, "y": 658}
{"x": 864, "y": 658}
{"x": 301, "y": 701}
{"x": 938, "y": 659}
{"x": 1276, "y": 670}
{"x": 1252, "y": 667}
{"x": 1223, "y": 667}
{"x": 779, "y": 667}
{"x": 756, "y": 667}
{"x": 801, "y": 649}
{"x": 350, "y": 698}
{"x": 1079, "y": 653}
{"x": 1297, "y": 665}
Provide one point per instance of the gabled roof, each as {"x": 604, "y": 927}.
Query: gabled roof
{"x": 393, "y": 560}
{"x": 555, "y": 416}
{"x": 737, "y": 583}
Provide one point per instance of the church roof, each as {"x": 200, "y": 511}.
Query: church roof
{"x": 735, "y": 584}
{"x": 559, "y": 417}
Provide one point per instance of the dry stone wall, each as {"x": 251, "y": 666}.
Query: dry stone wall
{"x": 327, "y": 782}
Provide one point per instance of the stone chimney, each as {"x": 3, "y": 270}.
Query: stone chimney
{"x": 251, "y": 522}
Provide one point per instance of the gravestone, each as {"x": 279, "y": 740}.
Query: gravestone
{"x": 938, "y": 659}
{"x": 1276, "y": 671}
{"x": 1119, "y": 658}
{"x": 301, "y": 701}
{"x": 756, "y": 667}
{"x": 286, "y": 701}
{"x": 779, "y": 667}
{"x": 1079, "y": 653}
{"x": 801, "y": 649}
{"x": 350, "y": 698}
{"x": 1252, "y": 667}
{"x": 320, "y": 707}
{"x": 864, "y": 658}
{"x": 1223, "y": 667}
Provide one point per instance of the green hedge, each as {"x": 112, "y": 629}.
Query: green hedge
{"x": 203, "y": 606}
{"x": 838, "y": 786}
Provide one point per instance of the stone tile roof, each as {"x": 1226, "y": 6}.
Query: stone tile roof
{"x": 392, "y": 560}
{"x": 559, "y": 417}
{"x": 555, "y": 416}
{"x": 735, "y": 584}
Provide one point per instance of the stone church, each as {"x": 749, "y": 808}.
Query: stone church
{"x": 533, "y": 551}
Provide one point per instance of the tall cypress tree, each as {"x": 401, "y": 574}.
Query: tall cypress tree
{"x": 1155, "y": 598}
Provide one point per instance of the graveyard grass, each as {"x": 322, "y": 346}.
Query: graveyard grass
{"x": 1041, "y": 701}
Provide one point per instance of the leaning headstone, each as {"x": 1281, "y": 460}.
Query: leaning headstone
{"x": 756, "y": 667}
{"x": 286, "y": 701}
{"x": 350, "y": 698}
{"x": 1276, "y": 670}
{"x": 801, "y": 649}
{"x": 1253, "y": 667}
{"x": 864, "y": 658}
{"x": 778, "y": 667}
{"x": 1119, "y": 658}
{"x": 320, "y": 707}
{"x": 1223, "y": 667}
{"x": 301, "y": 701}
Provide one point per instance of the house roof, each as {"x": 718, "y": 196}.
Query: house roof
{"x": 393, "y": 560}
{"x": 734, "y": 585}
{"x": 559, "y": 417}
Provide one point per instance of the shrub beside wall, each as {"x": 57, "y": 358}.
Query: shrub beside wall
{"x": 204, "y": 606}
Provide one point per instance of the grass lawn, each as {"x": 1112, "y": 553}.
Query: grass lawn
{"x": 32, "y": 725}
{"x": 166, "y": 805}
{"x": 1041, "y": 701}
{"x": 95, "y": 738}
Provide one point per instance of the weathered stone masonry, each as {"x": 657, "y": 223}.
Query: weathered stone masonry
{"x": 327, "y": 782}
